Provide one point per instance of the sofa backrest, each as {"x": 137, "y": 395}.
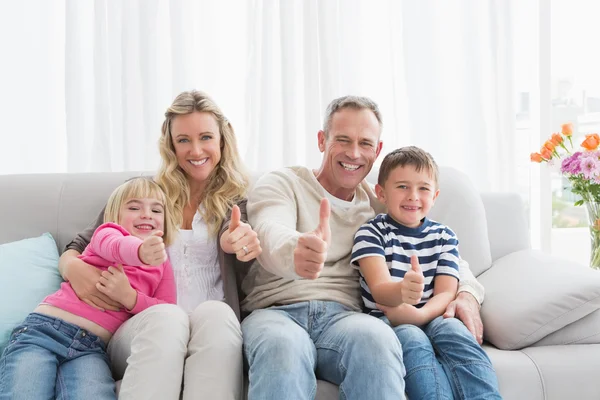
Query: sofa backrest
{"x": 64, "y": 204}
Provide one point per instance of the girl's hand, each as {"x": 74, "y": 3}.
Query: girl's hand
{"x": 115, "y": 284}
{"x": 240, "y": 238}
{"x": 152, "y": 251}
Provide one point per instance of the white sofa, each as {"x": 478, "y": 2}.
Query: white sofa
{"x": 542, "y": 324}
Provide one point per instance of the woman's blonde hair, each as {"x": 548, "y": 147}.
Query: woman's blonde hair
{"x": 140, "y": 188}
{"x": 226, "y": 184}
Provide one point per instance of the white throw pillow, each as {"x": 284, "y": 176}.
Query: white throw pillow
{"x": 529, "y": 295}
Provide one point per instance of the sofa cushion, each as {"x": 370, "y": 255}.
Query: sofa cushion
{"x": 459, "y": 206}
{"x": 584, "y": 331}
{"x": 529, "y": 295}
{"x": 29, "y": 271}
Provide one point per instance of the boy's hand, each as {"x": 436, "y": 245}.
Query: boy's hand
{"x": 311, "y": 250}
{"x": 404, "y": 314}
{"x": 413, "y": 283}
{"x": 115, "y": 284}
{"x": 152, "y": 251}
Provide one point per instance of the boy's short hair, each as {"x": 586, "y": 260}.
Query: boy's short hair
{"x": 139, "y": 188}
{"x": 409, "y": 155}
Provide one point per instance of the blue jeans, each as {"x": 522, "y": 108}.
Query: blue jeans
{"x": 48, "y": 358}
{"x": 444, "y": 361}
{"x": 288, "y": 347}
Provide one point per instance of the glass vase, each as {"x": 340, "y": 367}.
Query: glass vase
{"x": 593, "y": 211}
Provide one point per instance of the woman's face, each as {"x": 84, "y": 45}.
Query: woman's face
{"x": 197, "y": 142}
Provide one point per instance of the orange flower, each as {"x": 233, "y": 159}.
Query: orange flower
{"x": 597, "y": 225}
{"x": 547, "y": 154}
{"x": 536, "y": 157}
{"x": 549, "y": 145}
{"x": 567, "y": 129}
{"x": 556, "y": 139}
{"x": 591, "y": 141}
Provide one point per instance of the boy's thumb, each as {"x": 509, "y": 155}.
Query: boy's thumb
{"x": 414, "y": 262}
{"x": 236, "y": 216}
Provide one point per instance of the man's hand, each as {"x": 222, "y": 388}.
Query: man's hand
{"x": 83, "y": 278}
{"x": 413, "y": 283}
{"x": 466, "y": 308}
{"x": 311, "y": 251}
{"x": 152, "y": 251}
{"x": 115, "y": 284}
{"x": 240, "y": 238}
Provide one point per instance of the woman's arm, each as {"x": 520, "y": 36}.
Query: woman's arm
{"x": 82, "y": 276}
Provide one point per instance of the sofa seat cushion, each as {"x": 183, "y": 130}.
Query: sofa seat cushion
{"x": 530, "y": 295}
{"x": 29, "y": 271}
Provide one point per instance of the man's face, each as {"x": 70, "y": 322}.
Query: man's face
{"x": 349, "y": 151}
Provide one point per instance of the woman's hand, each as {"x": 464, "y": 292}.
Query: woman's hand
{"x": 83, "y": 278}
{"x": 115, "y": 284}
{"x": 240, "y": 238}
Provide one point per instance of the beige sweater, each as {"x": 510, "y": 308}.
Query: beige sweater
{"x": 284, "y": 204}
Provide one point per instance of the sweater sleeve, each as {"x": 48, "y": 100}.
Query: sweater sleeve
{"x": 114, "y": 244}
{"x": 83, "y": 238}
{"x": 165, "y": 293}
{"x": 468, "y": 283}
{"x": 272, "y": 211}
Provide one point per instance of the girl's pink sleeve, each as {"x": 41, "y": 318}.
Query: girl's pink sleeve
{"x": 165, "y": 293}
{"x": 114, "y": 244}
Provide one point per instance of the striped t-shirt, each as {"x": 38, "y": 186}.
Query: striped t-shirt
{"x": 434, "y": 244}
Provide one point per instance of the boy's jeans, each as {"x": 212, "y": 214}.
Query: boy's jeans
{"x": 47, "y": 358}
{"x": 288, "y": 347}
{"x": 444, "y": 361}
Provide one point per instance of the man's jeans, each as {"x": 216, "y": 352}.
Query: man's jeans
{"x": 443, "y": 361}
{"x": 47, "y": 358}
{"x": 288, "y": 347}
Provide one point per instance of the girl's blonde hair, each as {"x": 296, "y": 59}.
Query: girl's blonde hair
{"x": 227, "y": 183}
{"x": 140, "y": 188}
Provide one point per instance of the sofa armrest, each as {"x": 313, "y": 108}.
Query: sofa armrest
{"x": 529, "y": 295}
{"x": 507, "y": 223}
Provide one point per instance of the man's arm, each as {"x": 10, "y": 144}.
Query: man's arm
{"x": 272, "y": 212}
{"x": 468, "y": 282}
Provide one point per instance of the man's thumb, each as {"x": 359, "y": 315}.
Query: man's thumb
{"x": 324, "y": 212}
{"x": 414, "y": 263}
{"x": 236, "y": 216}
{"x": 450, "y": 311}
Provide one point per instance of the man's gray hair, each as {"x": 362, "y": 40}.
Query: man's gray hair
{"x": 353, "y": 102}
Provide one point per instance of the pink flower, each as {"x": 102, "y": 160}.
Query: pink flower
{"x": 571, "y": 164}
{"x": 589, "y": 167}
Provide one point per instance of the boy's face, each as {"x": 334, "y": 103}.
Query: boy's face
{"x": 408, "y": 194}
{"x": 142, "y": 217}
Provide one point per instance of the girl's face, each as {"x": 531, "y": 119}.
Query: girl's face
{"x": 142, "y": 217}
{"x": 197, "y": 142}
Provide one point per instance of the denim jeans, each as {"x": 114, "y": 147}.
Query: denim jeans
{"x": 288, "y": 347}
{"x": 444, "y": 361}
{"x": 48, "y": 358}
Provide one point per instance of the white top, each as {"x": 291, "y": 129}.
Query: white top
{"x": 194, "y": 257}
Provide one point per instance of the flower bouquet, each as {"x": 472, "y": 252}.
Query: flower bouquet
{"x": 582, "y": 169}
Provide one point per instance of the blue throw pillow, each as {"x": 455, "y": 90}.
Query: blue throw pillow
{"x": 29, "y": 271}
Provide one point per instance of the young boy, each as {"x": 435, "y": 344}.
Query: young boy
{"x": 408, "y": 276}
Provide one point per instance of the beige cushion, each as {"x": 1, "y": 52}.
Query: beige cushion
{"x": 530, "y": 295}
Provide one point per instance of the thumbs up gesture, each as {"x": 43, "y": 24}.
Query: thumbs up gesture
{"x": 413, "y": 283}
{"x": 152, "y": 251}
{"x": 311, "y": 250}
{"x": 240, "y": 238}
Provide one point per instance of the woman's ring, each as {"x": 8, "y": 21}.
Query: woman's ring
{"x": 245, "y": 248}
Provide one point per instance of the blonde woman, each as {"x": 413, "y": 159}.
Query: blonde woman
{"x": 198, "y": 342}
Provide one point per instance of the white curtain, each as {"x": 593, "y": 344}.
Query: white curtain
{"x": 85, "y": 83}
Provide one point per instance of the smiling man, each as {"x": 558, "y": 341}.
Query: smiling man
{"x": 302, "y": 294}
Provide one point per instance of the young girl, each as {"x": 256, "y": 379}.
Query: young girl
{"x": 60, "y": 349}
